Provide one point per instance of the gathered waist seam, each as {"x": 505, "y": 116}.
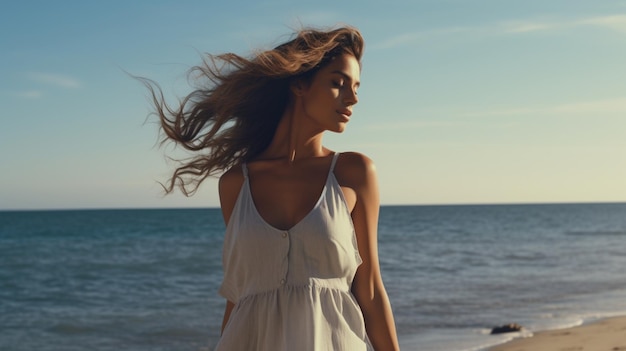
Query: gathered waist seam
{"x": 292, "y": 286}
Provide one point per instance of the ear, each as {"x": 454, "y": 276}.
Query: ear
{"x": 298, "y": 87}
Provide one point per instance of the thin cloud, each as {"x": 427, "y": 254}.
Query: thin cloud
{"x": 514, "y": 111}
{"x": 595, "y": 107}
{"x": 526, "y": 27}
{"x": 395, "y": 41}
{"x": 417, "y": 125}
{"x": 412, "y": 37}
{"x": 461, "y": 120}
{"x": 610, "y": 22}
{"x": 617, "y": 105}
{"x": 29, "y": 94}
{"x": 616, "y": 22}
{"x": 58, "y": 80}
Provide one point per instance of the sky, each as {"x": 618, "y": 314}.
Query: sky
{"x": 461, "y": 101}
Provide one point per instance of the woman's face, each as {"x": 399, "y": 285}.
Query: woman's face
{"x": 328, "y": 99}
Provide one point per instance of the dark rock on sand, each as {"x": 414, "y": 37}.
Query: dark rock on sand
{"x": 508, "y": 328}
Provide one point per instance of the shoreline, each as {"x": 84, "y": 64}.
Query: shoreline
{"x": 603, "y": 334}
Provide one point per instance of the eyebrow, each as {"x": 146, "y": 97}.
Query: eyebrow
{"x": 346, "y": 76}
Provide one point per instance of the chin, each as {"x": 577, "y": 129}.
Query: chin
{"x": 339, "y": 129}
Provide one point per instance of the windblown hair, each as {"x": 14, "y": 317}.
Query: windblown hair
{"x": 232, "y": 116}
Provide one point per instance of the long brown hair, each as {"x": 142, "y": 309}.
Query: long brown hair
{"x": 232, "y": 115}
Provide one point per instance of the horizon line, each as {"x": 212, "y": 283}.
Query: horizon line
{"x": 382, "y": 205}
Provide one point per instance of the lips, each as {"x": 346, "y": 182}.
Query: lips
{"x": 345, "y": 112}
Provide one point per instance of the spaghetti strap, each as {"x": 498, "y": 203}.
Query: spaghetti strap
{"x": 244, "y": 169}
{"x": 333, "y": 162}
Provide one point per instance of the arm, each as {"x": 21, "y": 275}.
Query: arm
{"x": 229, "y": 186}
{"x": 227, "y": 311}
{"x": 368, "y": 285}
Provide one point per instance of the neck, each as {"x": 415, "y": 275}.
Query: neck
{"x": 294, "y": 138}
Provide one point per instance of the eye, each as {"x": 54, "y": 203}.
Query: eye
{"x": 337, "y": 83}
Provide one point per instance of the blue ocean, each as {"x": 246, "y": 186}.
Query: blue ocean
{"x": 148, "y": 279}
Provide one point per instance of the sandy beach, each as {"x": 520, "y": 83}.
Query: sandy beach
{"x": 604, "y": 335}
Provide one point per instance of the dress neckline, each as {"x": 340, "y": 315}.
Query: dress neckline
{"x": 308, "y": 214}
{"x": 297, "y": 224}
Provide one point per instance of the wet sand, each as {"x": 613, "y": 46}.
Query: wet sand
{"x": 604, "y": 335}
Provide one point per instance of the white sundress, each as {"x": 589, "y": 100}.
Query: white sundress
{"x": 291, "y": 288}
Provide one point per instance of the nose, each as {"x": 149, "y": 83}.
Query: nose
{"x": 351, "y": 97}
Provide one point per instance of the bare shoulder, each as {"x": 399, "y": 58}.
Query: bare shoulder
{"x": 229, "y": 186}
{"x": 231, "y": 180}
{"x": 356, "y": 160}
{"x": 355, "y": 169}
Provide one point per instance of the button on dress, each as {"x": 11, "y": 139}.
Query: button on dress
{"x": 291, "y": 288}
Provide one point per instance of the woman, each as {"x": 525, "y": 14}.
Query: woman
{"x": 301, "y": 269}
